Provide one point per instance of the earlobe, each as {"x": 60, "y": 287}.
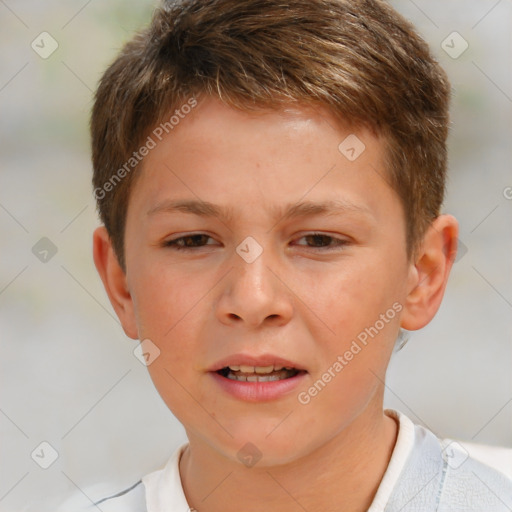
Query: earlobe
{"x": 429, "y": 274}
{"x": 114, "y": 281}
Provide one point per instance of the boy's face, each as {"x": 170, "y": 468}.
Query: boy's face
{"x": 325, "y": 274}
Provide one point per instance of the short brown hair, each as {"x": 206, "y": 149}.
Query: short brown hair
{"x": 358, "y": 58}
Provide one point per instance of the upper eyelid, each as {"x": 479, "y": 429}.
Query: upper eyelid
{"x": 309, "y": 233}
{"x": 340, "y": 240}
{"x": 181, "y": 237}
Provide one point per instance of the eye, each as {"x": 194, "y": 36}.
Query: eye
{"x": 189, "y": 242}
{"x": 322, "y": 241}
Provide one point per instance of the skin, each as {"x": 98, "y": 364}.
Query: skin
{"x": 304, "y": 299}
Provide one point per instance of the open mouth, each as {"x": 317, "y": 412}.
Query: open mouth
{"x": 258, "y": 373}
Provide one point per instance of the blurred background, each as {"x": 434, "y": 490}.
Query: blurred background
{"x": 67, "y": 372}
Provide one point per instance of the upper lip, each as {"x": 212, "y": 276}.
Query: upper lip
{"x": 250, "y": 360}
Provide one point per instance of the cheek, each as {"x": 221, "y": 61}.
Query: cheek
{"x": 166, "y": 300}
{"x": 361, "y": 306}
{"x": 170, "y": 308}
{"x": 353, "y": 298}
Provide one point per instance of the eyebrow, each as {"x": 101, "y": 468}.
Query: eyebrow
{"x": 294, "y": 210}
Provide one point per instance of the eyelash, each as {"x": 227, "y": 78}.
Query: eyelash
{"x": 174, "y": 244}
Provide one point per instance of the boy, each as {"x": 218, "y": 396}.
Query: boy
{"x": 270, "y": 177}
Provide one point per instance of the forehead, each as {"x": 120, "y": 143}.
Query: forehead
{"x": 221, "y": 155}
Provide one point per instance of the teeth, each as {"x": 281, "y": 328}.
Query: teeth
{"x": 255, "y": 377}
{"x": 264, "y": 369}
{"x": 256, "y": 369}
{"x": 268, "y": 378}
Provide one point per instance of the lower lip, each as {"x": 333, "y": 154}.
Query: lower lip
{"x": 258, "y": 391}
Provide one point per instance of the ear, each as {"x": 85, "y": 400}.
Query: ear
{"x": 428, "y": 275}
{"x": 114, "y": 281}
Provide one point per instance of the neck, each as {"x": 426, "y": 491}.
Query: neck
{"x": 342, "y": 474}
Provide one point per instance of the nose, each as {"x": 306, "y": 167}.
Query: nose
{"x": 254, "y": 295}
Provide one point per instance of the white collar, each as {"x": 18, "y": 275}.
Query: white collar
{"x": 401, "y": 451}
{"x": 164, "y": 490}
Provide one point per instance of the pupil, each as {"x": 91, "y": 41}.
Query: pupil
{"x": 319, "y": 239}
{"x": 194, "y": 240}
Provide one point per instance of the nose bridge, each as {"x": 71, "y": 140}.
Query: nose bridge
{"x": 255, "y": 278}
{"x": 252, "y": 292}
{"x": 251, "y": 263}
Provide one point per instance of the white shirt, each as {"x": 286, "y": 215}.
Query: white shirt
{"x": 424, "y": 474}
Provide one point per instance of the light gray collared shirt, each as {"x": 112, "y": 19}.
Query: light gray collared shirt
{"x": 424, "y": 474}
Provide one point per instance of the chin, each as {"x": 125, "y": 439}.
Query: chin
{"x": 262, "y": 451}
